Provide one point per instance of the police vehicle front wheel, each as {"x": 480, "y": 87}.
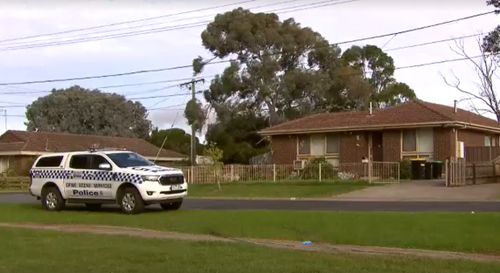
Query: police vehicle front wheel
{"x": 172, "y": 205}
{"x": 52, "y": 199}
{"x": 130, "y": 201}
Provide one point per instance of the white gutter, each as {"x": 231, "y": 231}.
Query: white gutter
{"x": 355, "y": 128}
{"x": 382, "y": 127}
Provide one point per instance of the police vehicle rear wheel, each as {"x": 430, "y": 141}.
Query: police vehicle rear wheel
{"x": 130, "y": 201}
{"x": 93, "y": 206}
{"x": 52, "y": 199}
{"x": 173, "y": 205}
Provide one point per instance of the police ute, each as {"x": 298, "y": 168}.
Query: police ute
{"x": 97, "y": 177}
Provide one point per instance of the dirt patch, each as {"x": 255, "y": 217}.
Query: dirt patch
{"x": 280, "y": 244}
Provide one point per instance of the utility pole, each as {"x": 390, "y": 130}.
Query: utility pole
{"x": 192, "y": 85}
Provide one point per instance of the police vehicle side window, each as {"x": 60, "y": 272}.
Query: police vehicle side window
{"x": 80, "y": 162}
{"x": 96, "y": 160}
{"x": 49, "y": 161}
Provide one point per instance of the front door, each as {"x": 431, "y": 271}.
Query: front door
{"x": 87, "y": 181}
{"x": 377, "y": 146}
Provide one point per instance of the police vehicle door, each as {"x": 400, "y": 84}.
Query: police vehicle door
{"x": 88, "y": 181}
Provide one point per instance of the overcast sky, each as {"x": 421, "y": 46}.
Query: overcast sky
{"x": 340, "y": 22}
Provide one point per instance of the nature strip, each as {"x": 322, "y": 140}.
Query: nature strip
{"x": 279, "y": 244}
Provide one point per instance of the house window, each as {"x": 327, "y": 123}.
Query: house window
{"x": 409, "y": 141}
{"x": 487, "y": 141}
{"x": 304, "y": 144}
{"x": 418, "y": 143}
{"x": 332, "y": 144}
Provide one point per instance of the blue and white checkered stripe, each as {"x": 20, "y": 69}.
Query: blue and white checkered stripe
{"x": 87, "y": 175}
{"x": 129, "y": 177}
{"x": 51, "y": 174}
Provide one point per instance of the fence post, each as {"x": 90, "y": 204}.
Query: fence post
{"x": 446, "y": 170}
{"x": 274, "y": 172}
{"x": 399, "y": 172}
{"x": 494, "y": 172}
{"x": 319, "y": 171}
{"x": 370, "y": 171}
{"x": 473, "y": 173}
{"x": 232, "y": 172}
{"x": 192, "y": 175}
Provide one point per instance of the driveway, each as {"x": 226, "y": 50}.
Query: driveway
{"x": 425, "y": 190}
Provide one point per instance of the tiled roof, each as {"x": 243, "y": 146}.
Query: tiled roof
{"x": 407, "y": 114}
{"x": 16, "y": 141}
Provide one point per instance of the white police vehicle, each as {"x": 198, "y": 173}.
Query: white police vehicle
{"x": 109, "y": 176}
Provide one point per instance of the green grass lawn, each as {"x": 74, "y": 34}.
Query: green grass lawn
{"x": 443, "y": 231}
{"x": 276, "y": 190}
{"x": 50, "y": 252}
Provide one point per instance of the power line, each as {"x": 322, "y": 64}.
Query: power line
{"x": 161, "y": 29}
{"x": 101, "y": 76}
{"x": 125, "y": 22}
{"x": 17, "y": 116}
{"x": 106, "y": 37}
{"x": 199, "y": 92}
{"x": 145, "y": 25}
{"x": 143, "y": 83}
{"x": 433, "y": 42}
{"x": 437, "y": 62}
{"x": 163, "y": 96}
{"x": 416, "y": 29}
{"x": 226, "y": 61}
{"x": 149, "y": 91}
{"x": 165, "y": 107}
{"x": 12, "y": 106}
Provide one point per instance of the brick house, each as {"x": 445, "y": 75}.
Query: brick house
{"x": 412, "y": 130}
{"x": 19, "y": 149}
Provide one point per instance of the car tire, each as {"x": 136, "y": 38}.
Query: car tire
{"x": 171, "y": 205}
{"x": 93, "y": 206}
{"x": 52, "y": 199}
{"x": 130, "y": 201}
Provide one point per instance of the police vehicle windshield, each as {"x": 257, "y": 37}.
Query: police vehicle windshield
{"x": 124, "y": 160}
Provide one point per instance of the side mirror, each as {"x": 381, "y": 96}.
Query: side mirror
{"x": 105, "y": 166}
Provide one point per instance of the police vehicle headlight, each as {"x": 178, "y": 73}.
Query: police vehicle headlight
{"x": 151, "y": 178}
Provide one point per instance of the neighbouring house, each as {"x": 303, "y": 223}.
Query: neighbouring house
{"x": 415, "y": 129}
{"x": 19, "y": 149}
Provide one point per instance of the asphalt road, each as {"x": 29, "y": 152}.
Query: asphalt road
{"x": 226, "y": 204}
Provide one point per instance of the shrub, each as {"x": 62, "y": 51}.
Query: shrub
{"x": 405, "y": 169}
{"x": 311, "y": 170}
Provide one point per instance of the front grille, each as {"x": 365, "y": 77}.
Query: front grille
{"x": 172, "y": 179}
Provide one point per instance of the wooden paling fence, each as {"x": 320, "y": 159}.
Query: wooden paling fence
{"x": 460, "y": 173}
{"x": 14, "y": 183}
{"x": 455, "y": 172}
{"x": 377, "y": 172}
{"x": 481, "y": 154}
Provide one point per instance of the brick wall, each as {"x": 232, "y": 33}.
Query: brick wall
{"x": 284, "y": 149}
{"x": 473, "y": 138}
{"x": 444, "y": 143}
{"x": 391, "y": 144}
{"x": 353, "y": 146}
